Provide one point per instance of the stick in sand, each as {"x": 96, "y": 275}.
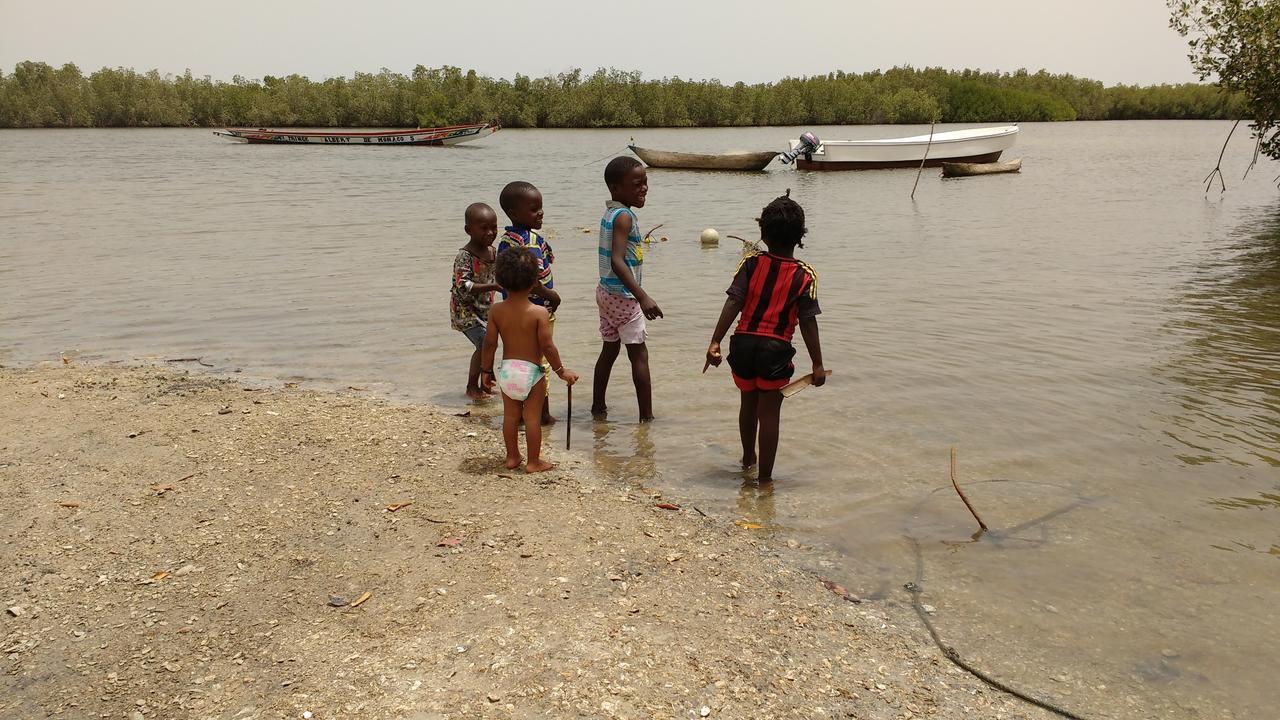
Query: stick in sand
{"x": 960, "y": 492}
{"x": 568, "y": 421}
{"x": 799, "y": 384}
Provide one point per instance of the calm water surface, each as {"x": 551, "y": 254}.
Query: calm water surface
{"x": 1098, "y": 338}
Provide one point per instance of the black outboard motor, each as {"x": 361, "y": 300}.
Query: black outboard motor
{"x": 807, "y": 146}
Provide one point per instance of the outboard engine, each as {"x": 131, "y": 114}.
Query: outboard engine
{"x": 807, "y": 145}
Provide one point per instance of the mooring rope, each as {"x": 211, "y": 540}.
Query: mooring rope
{"x": 915, "y": 588}
{"x": 615, "y": 153}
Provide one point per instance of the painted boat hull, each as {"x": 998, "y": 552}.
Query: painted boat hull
{"x": 959, "y": 169}
{"x": 417, "y": 136}
{"x": 975, "y": 145}
{"x": 702, "y": 161}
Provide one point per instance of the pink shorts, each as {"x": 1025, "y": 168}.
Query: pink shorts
{"x": 620, "y": 318}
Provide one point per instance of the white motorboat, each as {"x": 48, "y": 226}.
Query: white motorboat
{"x": 974, "y": 145}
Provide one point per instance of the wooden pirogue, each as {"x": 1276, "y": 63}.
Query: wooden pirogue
{"x": 960, "y": 169}
{"x": 451, "y": 135}
{"x": 704, "y": 161}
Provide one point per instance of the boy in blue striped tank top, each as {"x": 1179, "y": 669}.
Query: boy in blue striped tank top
{"x": 624, "y": 306}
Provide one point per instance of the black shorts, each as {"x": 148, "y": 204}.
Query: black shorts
{"x": 760, "y": 363}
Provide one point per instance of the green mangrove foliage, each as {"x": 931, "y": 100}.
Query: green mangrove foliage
{"x": 38, "y": 95}
{"x": 1237, "y": 42}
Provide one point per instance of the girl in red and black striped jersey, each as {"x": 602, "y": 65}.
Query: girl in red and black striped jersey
{"x": 774, "y": 292}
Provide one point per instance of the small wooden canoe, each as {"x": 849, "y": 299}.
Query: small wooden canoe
{"x": 701, "y": 161}
{"x": 950, "y": 169}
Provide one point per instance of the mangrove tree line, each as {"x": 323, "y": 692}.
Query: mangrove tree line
{"x": 36, "y": 94}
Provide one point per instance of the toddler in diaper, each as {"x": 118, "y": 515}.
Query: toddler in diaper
{"x": 525, "y": 333}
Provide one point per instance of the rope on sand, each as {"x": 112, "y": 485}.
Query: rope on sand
{"x": 915, "y": 588}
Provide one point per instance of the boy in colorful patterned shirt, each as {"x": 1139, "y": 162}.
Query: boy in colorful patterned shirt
{"x": 471, "y": 293}
{"x": 624, "y": 305}
{"x": 522, "y": 202}
{"x": 774, "y": 292}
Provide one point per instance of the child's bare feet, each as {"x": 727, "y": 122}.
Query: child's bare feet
{"x": 512, "y": 462}
{"x": 537, "y": 466}
{"x": 600, "y": 413}
{"x": 477, "y": 394}
{"x": 748, "y": 461}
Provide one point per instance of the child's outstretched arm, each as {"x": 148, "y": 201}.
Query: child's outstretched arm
{"x": 552, "y": 353}
{"x": 618, "y": 261}
{"x": 809, "y": 331}
{"x": 551, "y": 296}
{"x": 732, "y": 306}
{"x": 464, "y": 278}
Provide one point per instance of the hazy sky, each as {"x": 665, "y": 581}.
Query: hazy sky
{"x": 1116, "y": 41}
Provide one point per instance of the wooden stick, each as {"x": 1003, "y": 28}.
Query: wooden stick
{"x": 799, "y": 384}
{"x": 568, "y": 421}
{"x": 926, "y": 157}
{"x": 960, "y": 492}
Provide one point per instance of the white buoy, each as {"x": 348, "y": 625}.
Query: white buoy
{"x": 710, "y": 237}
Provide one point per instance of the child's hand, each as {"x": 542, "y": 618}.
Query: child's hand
{"x": 713, "y": 356}
{"x": 568, "y": 376}
{"x": 650, "y": 308}
{"x": 553, "y": 300}
{"x": 819, "y": 376}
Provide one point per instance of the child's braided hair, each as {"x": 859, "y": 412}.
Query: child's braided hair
{"x": 782, "y": 221}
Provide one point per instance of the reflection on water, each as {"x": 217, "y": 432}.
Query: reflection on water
{"x": 756, "y": 507}
{"x": 1263, "y": 501}
{"x": 624, "y": 451}
{"x": 1229, "y": 368}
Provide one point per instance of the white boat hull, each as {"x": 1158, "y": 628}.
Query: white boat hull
{"x": 975, "y": 145}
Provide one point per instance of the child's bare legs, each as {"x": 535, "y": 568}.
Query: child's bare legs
{"x": 511, "y": 411}
{"x": 533, "y": 428}
{"x": 474, "y": 391}
{"x": 639, "y": 356}
{"x": 546, "y": 397}
{"x": 600, "y": 383}
{"x": 768, "y": 409}
{"x": 748, "y": 418}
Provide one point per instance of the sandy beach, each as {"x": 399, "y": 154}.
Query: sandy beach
{"x": 181, "y": 546}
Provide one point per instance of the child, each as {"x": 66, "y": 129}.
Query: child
{"x": 522, "y": 202}
{"x": 473, "y": 286}
{"x": 525, "y": 329}
{"x": 774, "y": 291}
{"x": 624, "y": 306}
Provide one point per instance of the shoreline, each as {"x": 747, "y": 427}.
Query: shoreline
{"x": 183, "y": 545}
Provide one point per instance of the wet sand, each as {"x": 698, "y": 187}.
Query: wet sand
{"x": 181, "y": 546}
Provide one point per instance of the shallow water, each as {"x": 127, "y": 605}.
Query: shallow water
{"x": 1098, "y": 337}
